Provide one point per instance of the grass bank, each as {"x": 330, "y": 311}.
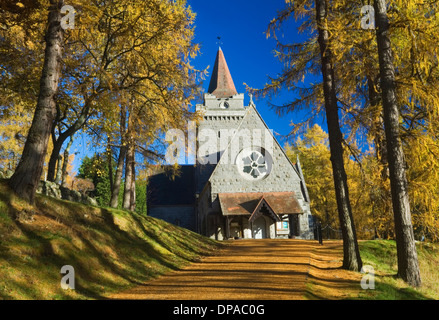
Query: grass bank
{"x": 328, "y": 281}
{"x": 381, "y": 255}
{"x": 110, "y": 250}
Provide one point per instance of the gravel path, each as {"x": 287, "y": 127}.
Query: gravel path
{"x": 246, "y": 269}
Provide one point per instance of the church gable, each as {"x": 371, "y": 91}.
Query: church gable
{"x": 254, "y": 161}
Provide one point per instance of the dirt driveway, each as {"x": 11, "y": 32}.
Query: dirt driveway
{"x": 246, "y": 269}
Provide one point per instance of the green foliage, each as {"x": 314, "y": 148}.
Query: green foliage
{"x": 141, "y": 197}
{"x": 414, "y": 30}
{"x": 381, "y": 255}
{"x": 96, "y": 169}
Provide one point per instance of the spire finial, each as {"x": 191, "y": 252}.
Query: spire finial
{"x": 219, "y": 42}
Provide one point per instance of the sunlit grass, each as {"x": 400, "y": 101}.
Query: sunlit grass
{"x": 110, "y": 249}
{"x": 327, "y": 280}
{"x": 381, "y": 255}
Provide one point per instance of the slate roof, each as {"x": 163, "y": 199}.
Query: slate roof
{"x": 246, "y": 203}
{"x": 163, "y": 191}
{"x": 221, "y": 83}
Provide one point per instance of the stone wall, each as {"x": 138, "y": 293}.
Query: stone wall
{"x": 53, "y": 189}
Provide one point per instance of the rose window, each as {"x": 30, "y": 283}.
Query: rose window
{"x": 254, "y": 164}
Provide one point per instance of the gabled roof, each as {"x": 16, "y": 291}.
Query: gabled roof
{"x": 258, "y": 211}
{"x": 246, "y": 203}
{"x": 221, "y": 83}
{"x": 252, "y": 108}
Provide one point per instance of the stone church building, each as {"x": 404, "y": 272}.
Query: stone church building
{"x": 243, "y": 185}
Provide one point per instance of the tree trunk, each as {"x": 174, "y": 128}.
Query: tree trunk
{"x": 118, "y": 178}
{"x": 408, "y": 267}
{"x": 351, "y": 253}
{"x": 58, "y": 142}
{"x": 378, "y": 126}
{"x": 58, "y": 169}
{"x": 110, "y": 162}
{"x": 129, "y": 166}
{"x": 129, "y": 178}
{"x": 380, "y": 196}
{"x": 27, "y": 175}
{"x": 120, "y": 162}
{"x": 133, "y": 184}
{"x": 65, "y": 163}
{"x": 53, "y": 160}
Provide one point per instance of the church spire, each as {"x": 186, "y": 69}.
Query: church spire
{"x": 221, "y": 83}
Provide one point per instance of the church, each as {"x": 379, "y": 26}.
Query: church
{"x": 242, "y": 184}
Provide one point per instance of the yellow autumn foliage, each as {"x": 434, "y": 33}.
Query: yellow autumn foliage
{"x": 369, "y": 192}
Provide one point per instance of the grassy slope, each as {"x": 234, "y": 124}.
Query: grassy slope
{"x": 327, "y": 280}
{"x": 381, "y": 255}
{"x": 110, "y": 249}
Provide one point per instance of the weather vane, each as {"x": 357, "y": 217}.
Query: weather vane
{"x": 219, "y": 42}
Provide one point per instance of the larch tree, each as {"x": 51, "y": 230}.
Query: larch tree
{"x": 311, "y": 57}
{"x": 414, "y": 26}
{"x": 408, "y": 266}
{"x": 118, "y": 50}
{"x": 27, "y": 175}
{"x": 313, "y": 150}
{"x": 129, "y": 193}
{"x": 120, "y": 160}
{"x": 65, "y": 164}
{"x": 147, "y": 47}
{"x": 360, "y": 94}
{"x": 315, "y": 158}
{"x": 396, "y": 71}
{"x": 351, "y": 253}
{"x": 21, "y": 62}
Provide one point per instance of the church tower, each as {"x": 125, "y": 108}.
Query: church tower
{"x": 223, "y": 110}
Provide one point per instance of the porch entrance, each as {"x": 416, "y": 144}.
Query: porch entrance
{"x": 259, "y": 228}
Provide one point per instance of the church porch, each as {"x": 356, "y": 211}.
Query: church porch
{"x": 253, "y": 215}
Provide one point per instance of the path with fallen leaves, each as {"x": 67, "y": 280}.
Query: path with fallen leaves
{"x": 247, "y": 269}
